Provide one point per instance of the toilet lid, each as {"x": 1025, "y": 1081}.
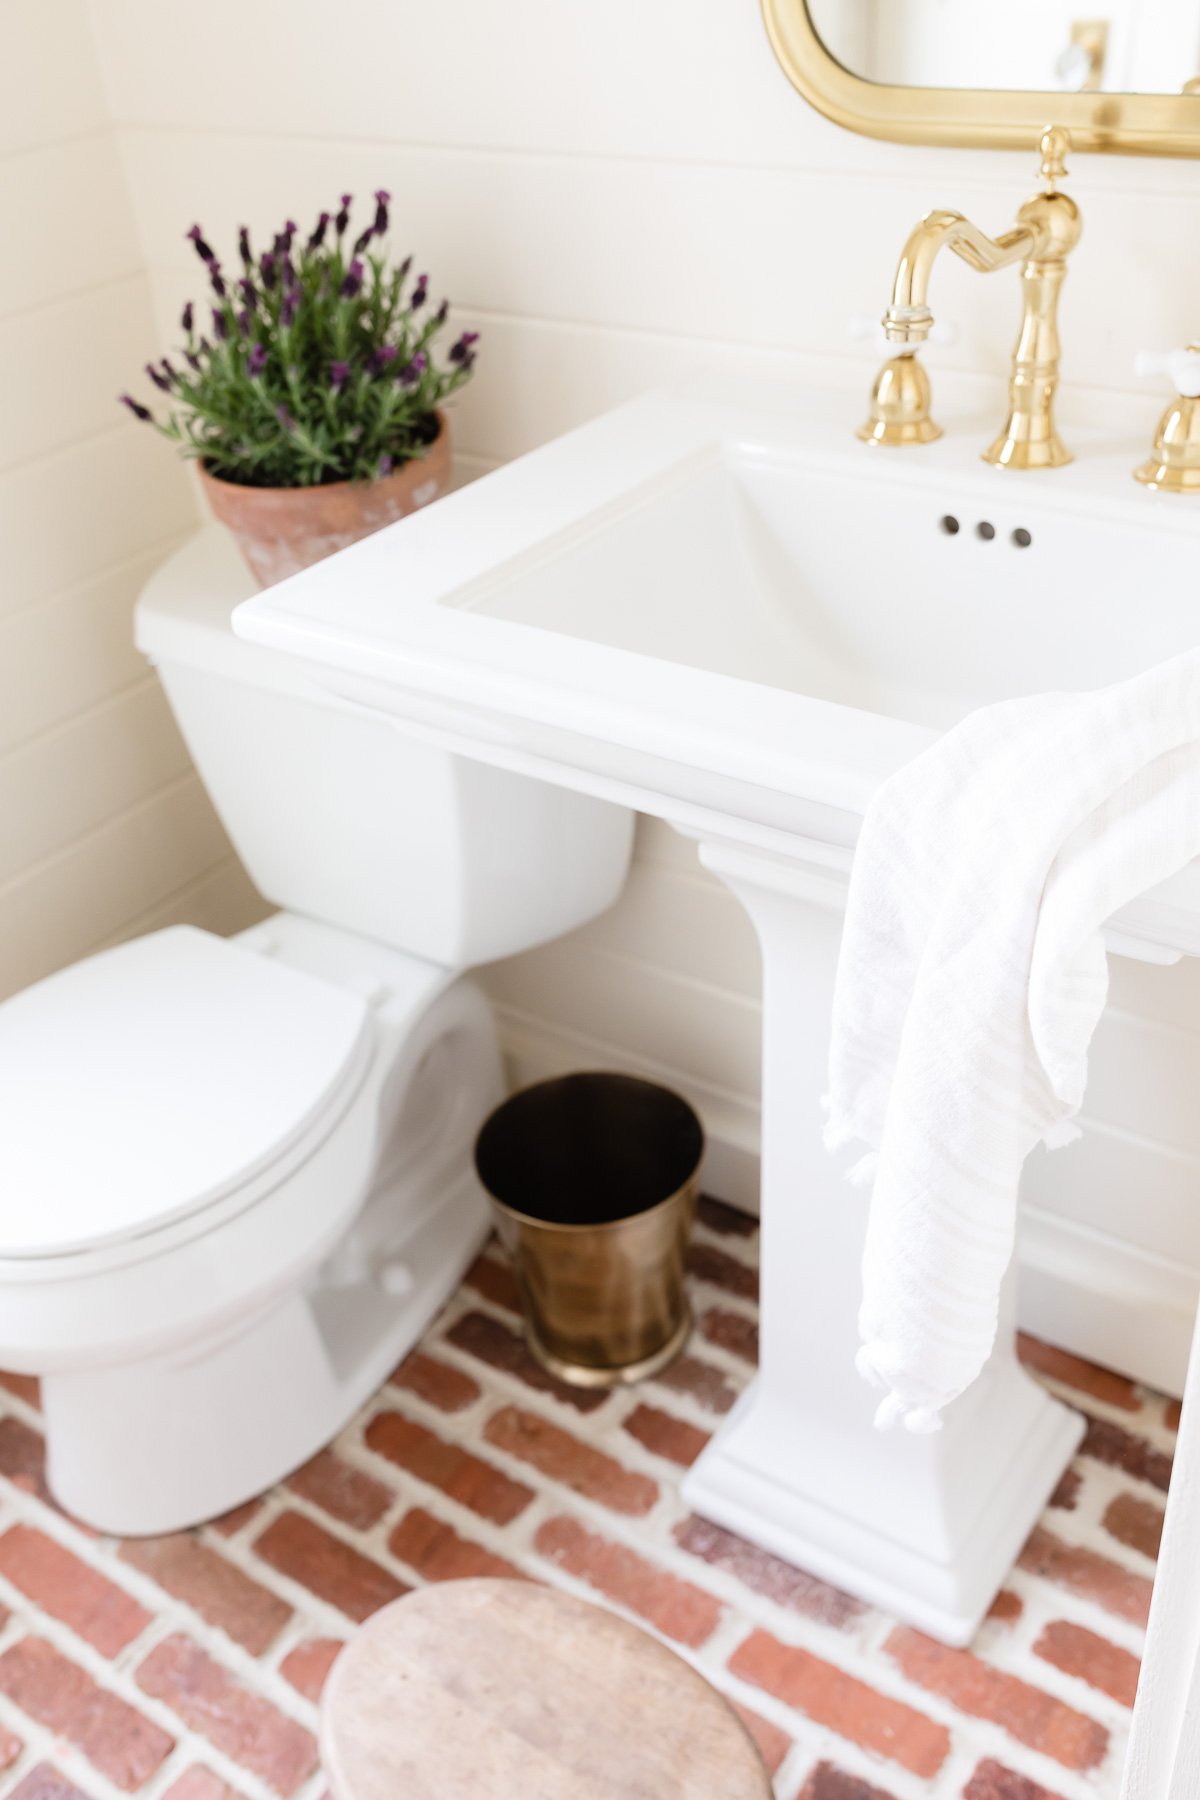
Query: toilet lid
{"x": 150, "y": 1080}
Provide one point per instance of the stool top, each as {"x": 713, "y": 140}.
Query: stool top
{"x": 519, "y": 1692}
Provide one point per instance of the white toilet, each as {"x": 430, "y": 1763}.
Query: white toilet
{"x": 235, "y": 1174}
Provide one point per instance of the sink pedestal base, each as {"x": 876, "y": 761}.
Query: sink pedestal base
{"x": 925, "y": 1527}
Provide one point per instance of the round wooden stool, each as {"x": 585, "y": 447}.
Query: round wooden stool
{"x": 515, "y": 1692}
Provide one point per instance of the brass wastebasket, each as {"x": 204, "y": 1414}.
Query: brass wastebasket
{"x": 593, "y": 1178}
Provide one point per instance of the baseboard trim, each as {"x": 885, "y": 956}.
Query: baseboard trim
{"x": 1097, "y": 1296}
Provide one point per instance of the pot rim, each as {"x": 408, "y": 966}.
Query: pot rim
{"x": 331, "y": 487}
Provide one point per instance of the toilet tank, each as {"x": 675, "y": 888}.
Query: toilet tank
{"x": 340, "y": 817}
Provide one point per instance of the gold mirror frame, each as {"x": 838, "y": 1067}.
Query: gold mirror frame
{"x": 1128, "y": 124}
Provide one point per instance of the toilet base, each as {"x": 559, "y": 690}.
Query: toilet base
{"x": 169, "y": 1442}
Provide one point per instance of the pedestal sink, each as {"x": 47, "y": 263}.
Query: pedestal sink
{"x": 717, "y": 607}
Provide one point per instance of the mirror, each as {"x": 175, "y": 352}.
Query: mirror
{"x": 1121, "y": 75}
{"x": 1055, "y": 46}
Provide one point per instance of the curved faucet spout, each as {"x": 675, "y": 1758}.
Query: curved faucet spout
{"x": 908, "y": 318}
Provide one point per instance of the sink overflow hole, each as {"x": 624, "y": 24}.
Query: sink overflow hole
{"x": 1022, "y": 538}
{"x": 950, "y": 525}
{"x": 985, "y": 530}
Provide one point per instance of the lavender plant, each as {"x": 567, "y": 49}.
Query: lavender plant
{"x": 320, "y": 363}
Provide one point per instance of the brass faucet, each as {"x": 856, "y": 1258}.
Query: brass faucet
{"x": 1047, "y": 230}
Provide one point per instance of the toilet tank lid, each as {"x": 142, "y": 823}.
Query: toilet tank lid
{"x": 150, "y": 1080}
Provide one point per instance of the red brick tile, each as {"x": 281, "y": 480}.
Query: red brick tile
{"x": 1138, "y": 1523}
{"x": 578, "y": 1466}
{"x": 10, "y": 1748}
{"x": 1088, "y": 1574}
{"x": 247, "y": 1729}
{"x": 726, "y": 1221}
{"x": 115, "y": 1738}
{"x": 237, "y": 1518}
{"x": 843, "y": 1704}
{"x": 991, "y": 1781}
{"x": 730, "y": 1331}
{"x": 466, "y": 1478}
{"x": 1092, "y": 1658}
{"x": 768, "y": 1575}
{"x": 341, "y": 1490}
{"x": 307, "y": 1666}
{"x": 436, "y": 1382}
{"x": 25, "y": 1387}
{"x": 493, "y": 1343}
{"x": 328, "y": 1568}
{"x": 23, "y": 1458}
{"x": 46, "y": 1783}
{"x": 438, "y": 1553}
{"x": 222, "y": 1594}
{"x": 496, "y": 1281}
{"x": 1006, "y": 1607}
{"x": 1172, "y": 1413}
{"x": 719, "y": 1269}
{"x": 666, "y": 1435}
{"x": 1122, "y": 1449}
{"x": 672, "y": 1606}
{"x": 975, "y": 1687}
{"x": 199, "y": 1783}
{"x": 828, "y": 1783}
{"x": 58, "y": 1583}
{"x": 773, "y": 1744}
{"x": 1074, "y": 1372}
{"x": 1065, "y": 1497}
{"x": 701, "y": 1381}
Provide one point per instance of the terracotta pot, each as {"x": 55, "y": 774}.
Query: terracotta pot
{"x": 280, "y": 531}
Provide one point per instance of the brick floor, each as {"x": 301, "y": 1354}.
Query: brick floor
{"x": 189, "y": 1667}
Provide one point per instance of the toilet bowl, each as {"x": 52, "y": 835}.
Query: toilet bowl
{"x": 235, "y": 1174}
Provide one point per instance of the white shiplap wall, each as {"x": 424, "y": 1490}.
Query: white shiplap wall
{"x": 103, "y": 826}
{"x": 613, "y": 193}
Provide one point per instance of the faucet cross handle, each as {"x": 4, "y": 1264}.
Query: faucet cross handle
{"x": 1055, "y": 147}
{"x": 1173, "y": 466}
{"x": 1182, "y": 366}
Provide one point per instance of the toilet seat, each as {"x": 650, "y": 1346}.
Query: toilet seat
{"x": 188, "y": 1068}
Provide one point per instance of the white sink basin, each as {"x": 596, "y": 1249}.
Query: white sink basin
{"x": 717, "y": 606}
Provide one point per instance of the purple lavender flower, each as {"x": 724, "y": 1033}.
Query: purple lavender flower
{"x": 287, "y": 271}
{"x": 285, "y": 418}
{"x": 343, "y": 218}
{"x": 245, "y": 321}
{"x": 461, "y": 352}
{"x": 244, "y": 250}
{"x": 318, "y": 236}
{"x": 380, "y": 357}
{"x": 256, "y": 362}
{"x": 136, "y": 408}
{"x": 384, "y": 467}
{"x": 187, "y": 317}
{"x": 192, "y": 360}
{"x": 220, "y": 329}
{"x": 289, "y": 307}
{"x": 339, "y": 374}
{"x": 284, "y": 241}
{"x": 402, "y": 271}
{"x": 217, "y": 279}
{"x": 382, "y": 197}
{"x": 412, "y": 372}
{"x": 353, "y": 281}
{"x": 160, "y": 381}
{"x": 203, "y": 251}
{"x": 363, "y": 239}
{"x": 439, "y": 317}
{"x": 419, "y": 293}
{"x": 249, "y": 293}
{"x": 266, "y": 268}
{"x": 165, "y": 365}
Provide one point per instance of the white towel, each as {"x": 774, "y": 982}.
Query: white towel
{"x": 971, "y": 978}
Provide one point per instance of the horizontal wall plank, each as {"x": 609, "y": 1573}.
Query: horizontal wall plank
{"x": 88, "y": 508}
{"x": 99, "y": 884}
{"x": 50, "y": 84}
{"x": 62, "y": 367}
{"x": 65, "y": 218}
{"x": 223, "y": 900}
{"x": 68, "y": 782}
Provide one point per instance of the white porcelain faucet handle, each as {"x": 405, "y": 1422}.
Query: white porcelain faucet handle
{"x": 1183, "y": 367}
{"x": 867, "y": 326}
